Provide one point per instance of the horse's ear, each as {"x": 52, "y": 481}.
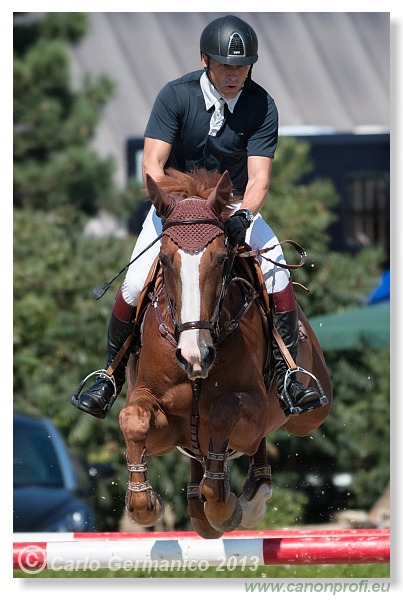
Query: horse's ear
{"x": 163, "y": 203}
{"x": 219, "y": 197}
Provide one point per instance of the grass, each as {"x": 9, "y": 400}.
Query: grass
{"x": 373, "y": 571}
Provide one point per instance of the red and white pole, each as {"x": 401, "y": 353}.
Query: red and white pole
{"x": 183, "y": 551}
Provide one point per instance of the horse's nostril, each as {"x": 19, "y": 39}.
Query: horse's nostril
{"x": 209, "y": 356}
{"x": 179, "y": 357}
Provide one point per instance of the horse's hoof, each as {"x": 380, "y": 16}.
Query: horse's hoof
{"x": 205, "y": 530}
{"x": 230, "y": 524}
{"x": 254, "y": 510}
{"x": 159, "y": 506}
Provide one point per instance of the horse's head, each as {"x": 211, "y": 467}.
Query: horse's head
{"x": 194, "y": 259}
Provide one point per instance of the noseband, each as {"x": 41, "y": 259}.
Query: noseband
{"x": 209, "y": 325}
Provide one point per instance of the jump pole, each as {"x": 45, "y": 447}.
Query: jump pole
{"x": 162, "y": 535}
{"x": 182, "y": 552}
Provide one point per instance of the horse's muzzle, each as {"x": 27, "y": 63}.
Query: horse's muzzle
{"x": 195, "y": 353}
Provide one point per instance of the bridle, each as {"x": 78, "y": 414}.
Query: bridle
{"x": 211, "y": 325}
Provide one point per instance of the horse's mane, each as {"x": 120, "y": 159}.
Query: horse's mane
{"x": 196, "y": 183}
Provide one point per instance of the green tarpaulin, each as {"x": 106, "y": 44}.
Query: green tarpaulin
{"x": 369, "y": 325}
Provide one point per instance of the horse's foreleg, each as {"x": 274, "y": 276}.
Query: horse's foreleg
{"x": 257, "y": 488}
{"x": 143, "y": 505}
{"x": 196, "y": 504}
{"x": 222, "y": 508}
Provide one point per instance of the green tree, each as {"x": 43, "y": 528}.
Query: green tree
{"x": 54, "y": 123}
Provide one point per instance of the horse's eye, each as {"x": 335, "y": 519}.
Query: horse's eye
{"x": 221, "y": 258}
{"x": 164, "y": 260}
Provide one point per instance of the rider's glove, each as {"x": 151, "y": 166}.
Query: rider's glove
{"x": 236, "y": 227}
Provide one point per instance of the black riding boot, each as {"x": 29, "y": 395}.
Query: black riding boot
{"x": 285, "y": 320}
{"x": 99, "y": 398}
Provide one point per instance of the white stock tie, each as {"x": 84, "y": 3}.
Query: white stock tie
{"x": 217, "y": 118}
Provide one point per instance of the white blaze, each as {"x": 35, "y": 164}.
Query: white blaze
{"x": 188, "y": 341}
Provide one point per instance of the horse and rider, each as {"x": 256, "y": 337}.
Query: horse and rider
{"x": 218, "y": 119}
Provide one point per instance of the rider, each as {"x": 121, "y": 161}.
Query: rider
{"x": 217, "y": 118}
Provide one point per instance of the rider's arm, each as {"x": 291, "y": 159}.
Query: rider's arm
{"x": 155, "y": 155}
{"x": 259, "y": 172}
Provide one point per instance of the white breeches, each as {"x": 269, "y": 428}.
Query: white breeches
{"x": 259, "y": 235}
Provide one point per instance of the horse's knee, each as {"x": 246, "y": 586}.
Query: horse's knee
{"x": 134, "y": 421}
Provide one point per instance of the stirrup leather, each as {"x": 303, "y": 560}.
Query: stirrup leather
{"x": 297, "y": 410}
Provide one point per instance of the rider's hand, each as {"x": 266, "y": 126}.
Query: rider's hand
{"x": 235, "y": 229}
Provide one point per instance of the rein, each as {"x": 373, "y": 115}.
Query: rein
{"x": 259, "y": 252}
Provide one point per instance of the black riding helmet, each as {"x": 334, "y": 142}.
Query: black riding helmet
{"x": 230, "y": 41}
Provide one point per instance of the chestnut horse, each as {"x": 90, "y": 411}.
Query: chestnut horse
{"x": 198, "y": 384}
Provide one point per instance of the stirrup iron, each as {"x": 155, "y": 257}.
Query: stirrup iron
{"x": 297, "y": 410}
{"x": 100, "y": 374}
